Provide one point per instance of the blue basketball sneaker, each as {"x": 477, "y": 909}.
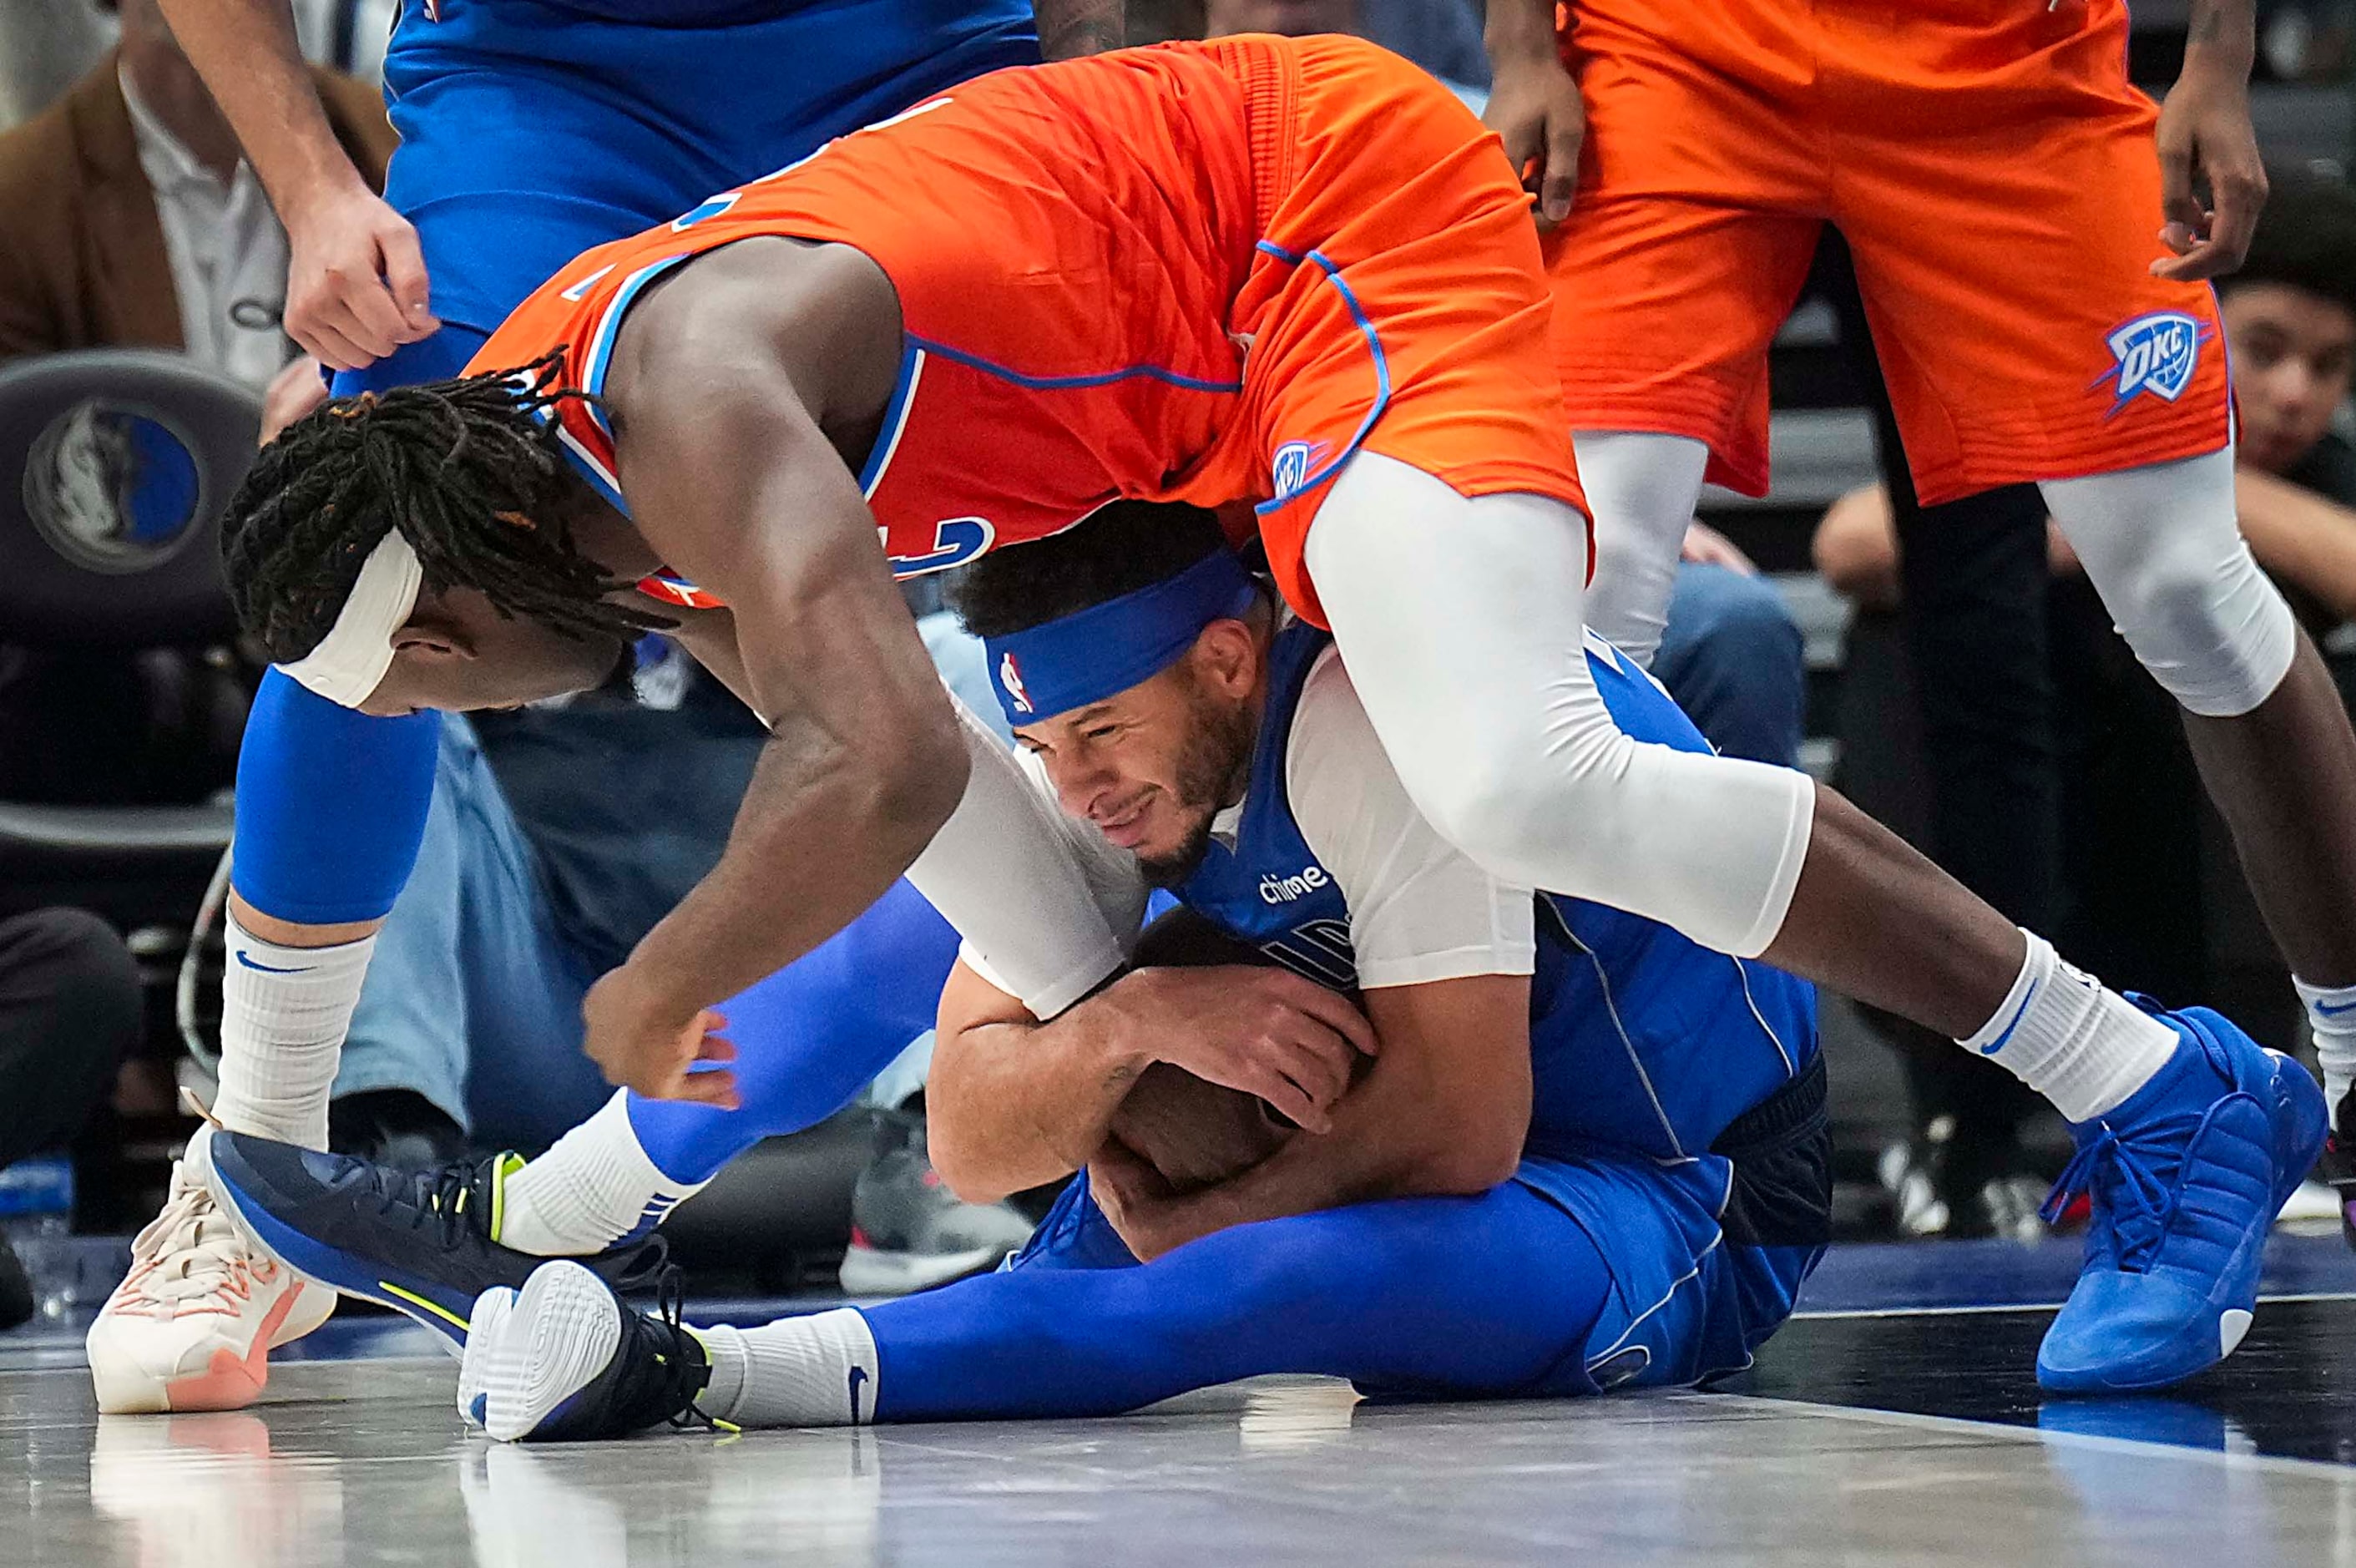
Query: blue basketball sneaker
{"x": 422, "y": 1242}
{"x": 2185, "y": 1177}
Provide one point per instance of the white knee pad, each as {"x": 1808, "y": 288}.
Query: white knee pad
{"x": 1641, "y": 491}
{"x": 2162, "y": 546}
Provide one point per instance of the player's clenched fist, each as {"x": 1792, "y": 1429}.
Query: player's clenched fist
{"x": 1264, "y": 1031}
{"x": 640, "y": 1041}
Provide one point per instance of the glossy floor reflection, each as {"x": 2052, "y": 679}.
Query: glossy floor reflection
{"x": 1910, "y": 1436}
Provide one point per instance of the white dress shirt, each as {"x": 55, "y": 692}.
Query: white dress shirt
{"x": 228, "y": 254}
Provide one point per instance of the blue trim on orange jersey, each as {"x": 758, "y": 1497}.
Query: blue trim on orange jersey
{"x": 601, "y": 346}
{"x": 896, "y": 415}
{"x": 1063, "y": 383}
{"x": 1382, "y": 374}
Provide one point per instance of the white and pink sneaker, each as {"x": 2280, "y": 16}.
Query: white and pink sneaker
{"x": 192, "y": 1325}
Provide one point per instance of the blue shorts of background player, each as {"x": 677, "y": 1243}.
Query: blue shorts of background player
{"x": 533, "y": 130}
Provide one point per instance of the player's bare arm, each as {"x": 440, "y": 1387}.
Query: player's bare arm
{"x": 730, "y": 392}
{"x": 1534, "y": 104}
{"x": 1442, "y": 1112}
{"x": 1070, "y": 28}
{"x": 2205, "y": 136}
{"x": 356, "y": 286}
{"x": 1015, "y": 1104}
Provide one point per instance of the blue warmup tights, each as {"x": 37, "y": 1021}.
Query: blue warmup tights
{"x": 1428, "y": 1295}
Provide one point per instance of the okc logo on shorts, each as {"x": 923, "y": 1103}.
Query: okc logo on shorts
{"x": 1290, "y": 472}
{"x": 2156, "y": 353}
{"x": 1010, "y": 676}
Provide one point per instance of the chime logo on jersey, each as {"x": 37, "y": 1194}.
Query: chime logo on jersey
{"x": 2156, "y": 353}
{"x": 1277, "y": 889}
{"x": 1010, "y": 676}
{"x": 1288, "y": 474}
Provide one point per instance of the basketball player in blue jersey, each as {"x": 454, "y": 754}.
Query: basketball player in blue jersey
{"x": 1583, "y": 1154}
{"x": 531, "y": 130}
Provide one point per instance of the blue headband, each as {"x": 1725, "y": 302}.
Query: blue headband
{"x": 1087, "y": 657}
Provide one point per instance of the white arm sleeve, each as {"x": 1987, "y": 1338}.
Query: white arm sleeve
{"x": 1419, "y": 910}
{"x": 1036, "y": 910}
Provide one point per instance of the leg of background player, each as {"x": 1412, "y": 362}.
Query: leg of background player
{"x": 1640, "y": 489}
{"x": 330, "y": 810}
{"x": 2266, "y": 725}
{"x": 1462, "y": 1295}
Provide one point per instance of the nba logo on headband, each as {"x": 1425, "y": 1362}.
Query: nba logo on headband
{"x": 1009, "y": 677}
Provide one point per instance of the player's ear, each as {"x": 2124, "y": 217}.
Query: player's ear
{"x": 1227, "y": 658}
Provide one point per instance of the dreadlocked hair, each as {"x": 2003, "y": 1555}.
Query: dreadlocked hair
{"x": 467, "y": 470}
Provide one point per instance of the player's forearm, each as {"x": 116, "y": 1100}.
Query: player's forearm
{"x": 828, "y": 822}
{"x": 1519, "y": 31}
{"x": 2221, "y": 36}
{"x": 247, "y": 53}
{"x": 1016, "y": 1104}
{"x": 1070, "y": 28}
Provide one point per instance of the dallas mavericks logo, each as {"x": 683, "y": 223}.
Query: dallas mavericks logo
{"x": 1010, "y": 676}
{"x": 1289, "y": 473}
{"x": 2156, "y": 354}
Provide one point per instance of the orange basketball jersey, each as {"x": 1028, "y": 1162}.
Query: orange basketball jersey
{"x": 1201, "y": 272}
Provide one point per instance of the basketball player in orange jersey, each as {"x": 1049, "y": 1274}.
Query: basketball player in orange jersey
{"x": 2035, "y": 279}
{"x": 1295, "y": 269}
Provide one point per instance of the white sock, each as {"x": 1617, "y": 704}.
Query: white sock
{"x": 2331, "y": 1016}
{"x": 2071, "y": 1039}
{"x": 818, "y": 1370}
{"x": 283, "y": 1014}
{"x": 592, "y": 1188}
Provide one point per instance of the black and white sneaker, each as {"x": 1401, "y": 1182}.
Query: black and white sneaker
{"x": 425, "y": 1243}
{"x": 908, "y": 1231}
{"x": 565, "y": 1360}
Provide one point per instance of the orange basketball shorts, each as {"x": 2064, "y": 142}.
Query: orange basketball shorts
{"x": 1395, "y": 301}
{"x": 1992, "y": 170}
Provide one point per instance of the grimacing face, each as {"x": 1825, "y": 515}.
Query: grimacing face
{"x": 457, "y": 654}
{"x": 1151, "y": 765}
{"x": 2292, "y": 355}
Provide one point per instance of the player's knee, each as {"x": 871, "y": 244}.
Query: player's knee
{"x": 2214, "y": 631}
{"x": 1512, "y": 807}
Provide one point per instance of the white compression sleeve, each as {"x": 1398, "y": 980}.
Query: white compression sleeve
{"x": 285, "y": 1011}
{"x": 1641, "y": 492}
{"x": 1460, "y": 622}
{"x": 2163, "y": 547}
{"x": 1003, "y": 872}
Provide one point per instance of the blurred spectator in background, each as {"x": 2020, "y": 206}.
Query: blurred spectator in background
{"x": 2137, "y": 831}
{"x": 70, "y": 1010}
{"x": 133, "y": 222}
{"x": 1441, "y": 36}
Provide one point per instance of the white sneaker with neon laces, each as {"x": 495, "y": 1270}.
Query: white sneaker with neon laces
{"x": 192, "y": 1325}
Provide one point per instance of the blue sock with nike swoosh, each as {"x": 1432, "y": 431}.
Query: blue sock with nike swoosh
{"x": 2071, "y": 1039}
{"x": 2331, "y": 1014}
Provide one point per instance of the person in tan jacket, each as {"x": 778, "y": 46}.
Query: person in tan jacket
{"x": 134, "y": 221}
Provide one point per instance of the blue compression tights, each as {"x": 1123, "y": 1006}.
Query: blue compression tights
{"x": 1433, "y": 1296}
{"x": 811, "y": 1037}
